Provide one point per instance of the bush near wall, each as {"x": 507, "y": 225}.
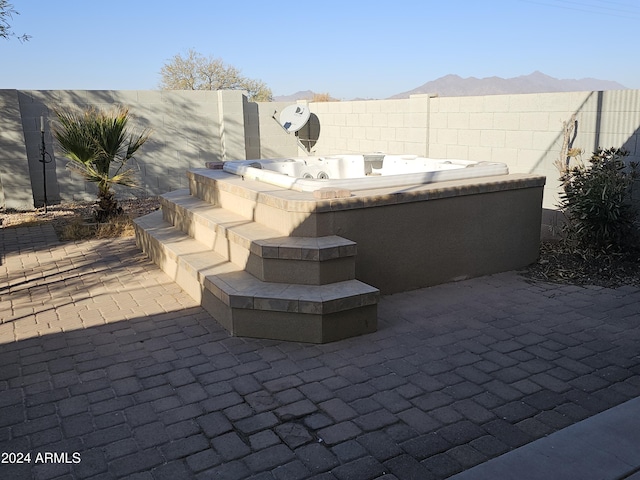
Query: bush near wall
{"x": 597, "y": 203}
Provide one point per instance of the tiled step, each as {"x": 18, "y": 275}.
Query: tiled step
{"x": 284, "y": 211}
{"x": 260, "y": 250}
{"x": 247, "y": 306}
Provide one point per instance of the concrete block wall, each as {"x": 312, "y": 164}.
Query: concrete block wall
{"x": 524, "y": 131}
{"x": 391, "y": 126}
{"x": 189, "y": 129}
{"x": 15, "y": 181}
{"x": 193, "y": 127}
{"x": 273, "y": 141}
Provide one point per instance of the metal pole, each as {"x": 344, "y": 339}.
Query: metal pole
{"x": 44, "y": 163}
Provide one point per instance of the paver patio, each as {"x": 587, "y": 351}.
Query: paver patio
{"x": 103, "y": 355}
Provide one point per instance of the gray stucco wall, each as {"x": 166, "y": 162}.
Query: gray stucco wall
{"x": 189, "y": 129}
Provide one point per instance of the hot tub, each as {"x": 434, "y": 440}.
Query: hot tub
{"x": 360, "y": 172}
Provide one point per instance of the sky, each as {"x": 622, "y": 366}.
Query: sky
{"x": 348, "y": 49}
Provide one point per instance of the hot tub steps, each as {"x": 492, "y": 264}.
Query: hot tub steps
{"x": 243, "y": 303}
{"x": 262, "y": 251}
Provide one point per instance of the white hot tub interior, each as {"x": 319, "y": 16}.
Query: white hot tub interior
{"x": 358, "y": 172}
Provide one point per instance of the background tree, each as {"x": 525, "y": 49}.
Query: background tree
{"x": 99, "y": 145}
{"x": 7, "y": 12}
{"x": 323, "y": 97}
{"x": 197, "y": 72}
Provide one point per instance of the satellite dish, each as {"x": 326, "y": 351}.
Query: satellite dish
{"x": 294, "y": 117}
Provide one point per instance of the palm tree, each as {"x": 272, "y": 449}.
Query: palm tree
{"x": 99, "y": 146}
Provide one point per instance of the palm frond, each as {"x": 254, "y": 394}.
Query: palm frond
{"x": 74, "y": 136}
{"x": 99, "y": 145}
{"x": 136, "y": 142}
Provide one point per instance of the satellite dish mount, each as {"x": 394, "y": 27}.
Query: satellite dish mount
{"x": 292, "y": 119}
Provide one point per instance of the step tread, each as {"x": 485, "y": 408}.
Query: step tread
{"x": 261, "y": 239}
{"x": 240, "y": 289}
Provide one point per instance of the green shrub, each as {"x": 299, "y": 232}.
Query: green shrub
{"x": 100, "y": 145}
{"x": 596, "y": 201}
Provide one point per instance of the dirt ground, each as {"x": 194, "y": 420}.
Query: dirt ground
{"x": 64, "y": 216}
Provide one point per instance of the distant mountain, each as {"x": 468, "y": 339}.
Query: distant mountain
{"x": 537, "y": 82}
{"x": 456, "y": 86}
